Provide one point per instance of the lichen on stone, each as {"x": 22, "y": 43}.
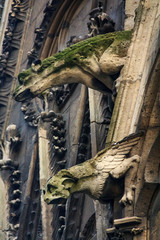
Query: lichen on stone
{"x": 77, "y": 53}
{"x": 17, "y": 89}
{"x": 121, "y": 43}
{"x": 90, "y": 62}
{"x": 22, "y": 76}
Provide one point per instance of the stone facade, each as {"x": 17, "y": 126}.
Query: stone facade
{"x": 115, "y": 194}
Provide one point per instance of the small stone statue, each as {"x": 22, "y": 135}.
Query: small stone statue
{"x": 100, "y": 22}
{"x": 12, "y": 133}
{"x": 6, "y": 147}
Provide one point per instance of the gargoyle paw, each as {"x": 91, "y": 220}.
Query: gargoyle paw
{"x": 123, "y": 200}
{"x": 137, "y": 158}
{"x": 126, "y": 199}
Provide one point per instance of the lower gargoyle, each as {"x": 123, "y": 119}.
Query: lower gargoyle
{"x": 101, "y": 177}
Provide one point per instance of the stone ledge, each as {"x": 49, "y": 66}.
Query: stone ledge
{"x": 127, "y": 221}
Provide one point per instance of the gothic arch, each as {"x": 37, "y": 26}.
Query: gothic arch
{"x": 67, "y": 11}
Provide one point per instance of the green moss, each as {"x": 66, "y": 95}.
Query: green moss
{"x": 25, "y": 74}
{"x": 123, "y": 35}
{"x": 121, "y": 43}
{"x": 138, "y": 14}
{"x": 78, "y": 53}
{"x": 17, "y": 89}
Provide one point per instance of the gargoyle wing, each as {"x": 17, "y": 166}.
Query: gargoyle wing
{"x": 107, "y": 161}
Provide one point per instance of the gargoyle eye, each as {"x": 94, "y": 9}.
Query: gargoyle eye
{"x": 51, "y": 188}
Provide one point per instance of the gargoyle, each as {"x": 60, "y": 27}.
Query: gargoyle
{"x": 101, "y": 177}
{"x": 90, "y": 62}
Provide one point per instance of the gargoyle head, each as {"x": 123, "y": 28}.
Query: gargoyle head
{"x": 58, "y": 187}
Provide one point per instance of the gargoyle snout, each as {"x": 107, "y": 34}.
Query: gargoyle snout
{"x": 22, "y": 95}
{"x": 46, "y": 198}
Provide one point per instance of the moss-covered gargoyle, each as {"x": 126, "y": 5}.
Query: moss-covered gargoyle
{"x": 90, "y": 62}
{"x": 101, "y": 177}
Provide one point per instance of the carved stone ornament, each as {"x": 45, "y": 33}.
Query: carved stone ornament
{"x": 9, "y": 54}
{"x": 11, "y": 144}
{"x": 114, "y": 234}
{"x": 57, "y": 136}
{"x": 9, "y": 170}
{"x": 62, "y": 94}
{"x": 100, "y": 177}
{"x": 125, "y": 227}
{"x": 105, "y": 56}
{"x": 56, "y": 133}
{"x": 41, "y": 31}
{"x": 100, "y": 22}
{"x": 31, "y": 110}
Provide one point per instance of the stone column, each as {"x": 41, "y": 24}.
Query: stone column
{"x": 44, "y": 174}
{"x": 135, "y": 74}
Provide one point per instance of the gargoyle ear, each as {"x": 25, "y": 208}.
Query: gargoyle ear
{"x": 69, "y": 179}
{"x": 66, "y": 174}
{"x": 68, "y": 182}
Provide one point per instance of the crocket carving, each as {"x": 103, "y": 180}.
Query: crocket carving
{"x": 101, "y": 177}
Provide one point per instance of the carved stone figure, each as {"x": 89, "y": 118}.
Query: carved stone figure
{"x": 100, "y": 177}
{"x": 100, "y": 22}
{"x": 7, "y": 146}
{"x": 12, "y": 134}
{"x": 90, "y": 62}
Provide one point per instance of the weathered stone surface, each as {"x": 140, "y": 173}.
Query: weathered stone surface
{"x": 89, "y": 178}
{"x": 135, "y": 75}
{"x": 79, "y": 63}
{"x": 129, "y": 112}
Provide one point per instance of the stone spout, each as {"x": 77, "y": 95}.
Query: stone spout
{"x": 101, "y": 177}
{"x": 91, "y": 62}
